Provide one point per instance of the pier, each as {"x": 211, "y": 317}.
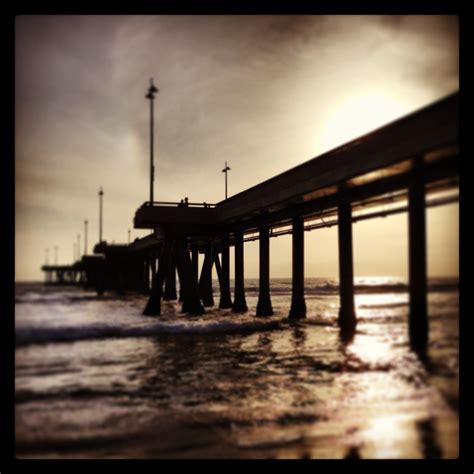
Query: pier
{"x": 411, "y": 164}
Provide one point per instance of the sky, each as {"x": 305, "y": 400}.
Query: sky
{"x": 264, "y": 93}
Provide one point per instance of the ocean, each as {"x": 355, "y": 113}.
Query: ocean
{"x": 94, "y": 378}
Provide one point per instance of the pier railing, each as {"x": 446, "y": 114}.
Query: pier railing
{"x": 178, "y": 204}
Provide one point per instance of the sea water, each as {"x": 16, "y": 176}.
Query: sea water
{"x": 94, "y": 378}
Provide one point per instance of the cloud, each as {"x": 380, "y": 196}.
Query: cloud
{"x": 253, "y": 90}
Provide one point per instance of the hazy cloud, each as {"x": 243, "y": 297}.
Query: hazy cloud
{"x": 253, "y": 90}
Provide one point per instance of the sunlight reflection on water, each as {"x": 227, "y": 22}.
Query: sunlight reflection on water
{"x": 293, "y": 390}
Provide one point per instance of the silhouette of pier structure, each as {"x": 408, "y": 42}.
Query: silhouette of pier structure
{"x": 62, "y": 274}
{"x": 408, "y": 163}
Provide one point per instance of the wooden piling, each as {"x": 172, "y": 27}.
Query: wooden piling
{"x": 264, "y": 305}
{"x": 418, "y": 317}
{"x": 240, "y": 305}
{"x": 298, "y": 304}
{"x": 170, "y": 279}
{"x": 153, "y": 307}
{"x": 205, "y": 281}
{"x": 225, "y": 300}
{"x": 191, "y": 302}
{"x": 347, "y": 318}
{"x": 195, "y": 261}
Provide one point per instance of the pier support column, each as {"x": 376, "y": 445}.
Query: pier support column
{"x": 264, "y": 305}
{"x": 170, "y": 281}
{"x": 240, "y": 305}
{"x": 144, "y": 281}
{"x": 298, "y": 304}
{"x": 153, "y": 307}
{"x": 225, "y": 301}
{"x": 120, "y": 279}
{"x": 217, "y": 263}
{"x": 205, "y": 282}
{"x": 418, "y": 317}
{"x": 146, "y": 270}
{"x": 100, "y": 278}
{"x": 179, "y": 271}
{"x": 155, "y": 262}
{"x": 195, "y": 261}
{"x": 189, "y": 288}
{"x": 347, "y": 318}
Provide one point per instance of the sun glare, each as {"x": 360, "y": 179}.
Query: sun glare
{"x": 359, "y": 115}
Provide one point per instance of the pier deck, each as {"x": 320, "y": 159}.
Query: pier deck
{"x": 422, "y": 146}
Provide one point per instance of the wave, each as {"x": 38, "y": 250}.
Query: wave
{"x": 38, "y": 293}
{"x": 65, "y": 299}
{"x": 101, "y": 331}
{"x": 333, "y": 289}
{"x": 397, "y": 304}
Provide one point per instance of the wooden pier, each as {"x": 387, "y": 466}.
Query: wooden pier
{"x": 404, "y": 161}
{"x": 406, "y": 164}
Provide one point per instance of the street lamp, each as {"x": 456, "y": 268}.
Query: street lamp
{"x": 152, "y": 90}
{"x": 225, "y": 170}
{"x": 85, "y": 237}
{"x": 101, "y": 193}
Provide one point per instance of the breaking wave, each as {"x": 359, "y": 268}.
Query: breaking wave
{"x": 26, "y": 336}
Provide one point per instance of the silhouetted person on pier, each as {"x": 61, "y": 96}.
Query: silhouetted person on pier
{"x": 186, "y": 203}
{"x": 181, "y": 203}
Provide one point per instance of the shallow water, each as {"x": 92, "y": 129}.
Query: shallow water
{"x": 95, "y": 378}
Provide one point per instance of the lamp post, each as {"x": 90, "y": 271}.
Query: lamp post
{"x": 85, "y": 237}
{"x": 101, "y": 194}
{"x": 129, "y": 236}
{"x": 225, "y": 170}
{"x": 152, "y": 90}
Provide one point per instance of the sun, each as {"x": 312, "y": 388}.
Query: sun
{"x": 358, "y": 115}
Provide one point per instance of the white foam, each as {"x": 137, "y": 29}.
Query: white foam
{"x": 24, "y": 336}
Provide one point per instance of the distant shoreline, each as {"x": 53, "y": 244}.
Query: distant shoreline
{"x": 452, "y": 278}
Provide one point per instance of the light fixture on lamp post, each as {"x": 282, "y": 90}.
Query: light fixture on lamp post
{"x": 225, "y": 170}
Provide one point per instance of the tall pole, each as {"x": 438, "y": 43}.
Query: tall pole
{"x": 129, "y": 236}
{"x": 101, "y": 193}
{"x": 225, "y": 172}
{"x": 152, "y": 90}
{"x": 85, "y": 237}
